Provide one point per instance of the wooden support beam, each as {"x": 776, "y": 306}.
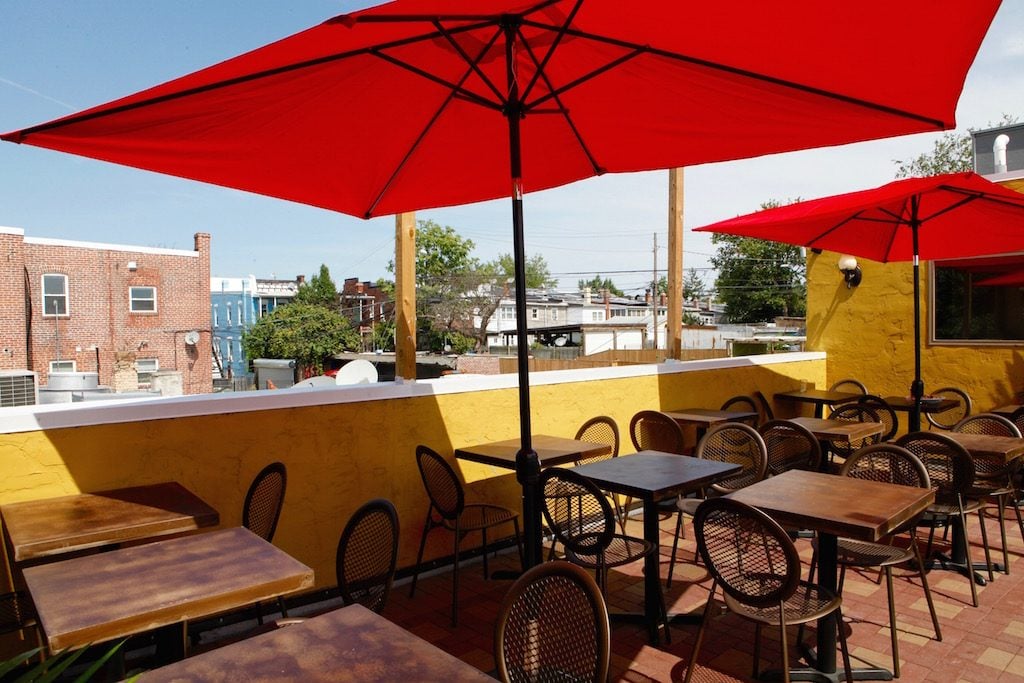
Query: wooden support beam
{"x": 405, "y": 296}
{"x": 674, "y": 339}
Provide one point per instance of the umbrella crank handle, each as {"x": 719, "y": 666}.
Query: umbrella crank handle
{"x": 917, "y": 388}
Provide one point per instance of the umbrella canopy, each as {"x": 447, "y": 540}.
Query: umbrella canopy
{"x": 940, "y": 217}
{"x": 1011, "y": 279}
{"x": 428, "y": 103}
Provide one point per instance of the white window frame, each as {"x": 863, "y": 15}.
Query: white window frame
{"x": 139, "y": 362}
{"x": 54, "y": 365}
{"x": 45, "y": 297}
{"x": 132, "y": 299}
{"x": 534, "y": 314}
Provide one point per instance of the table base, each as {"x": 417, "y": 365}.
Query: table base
{"x": 943, "y": 561}
{"x": 810, "y": 673}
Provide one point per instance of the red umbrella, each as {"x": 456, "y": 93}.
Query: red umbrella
{"x": 1012, "y": 279}
{"x": 427, "y": 103}
{"x": 918, "y": 218}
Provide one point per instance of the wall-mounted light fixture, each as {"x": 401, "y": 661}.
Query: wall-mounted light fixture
{"x": 850, "y": 270}
{"x": 132, "y": 265}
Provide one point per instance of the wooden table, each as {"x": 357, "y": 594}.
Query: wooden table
{"x": 1008, "y": 410}
{"x": 347, "y": 644}
{"x": 101, "y": 597}
{"x": 843, "y": 431}
{"x": 551, "y": 451}
{"x": 904, "y": 404}
{"x": 53, "y": 526}
{"x": 653, "y": 476}
{"x": 706, "y": 417}
{"x": 835, "y": 506}
{"x": 819, "y": 397}
{"x": 986, "y": 445}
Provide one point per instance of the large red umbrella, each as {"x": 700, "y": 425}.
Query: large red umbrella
{"x": 939, "y": 217}
{"x": 427, "y": 103}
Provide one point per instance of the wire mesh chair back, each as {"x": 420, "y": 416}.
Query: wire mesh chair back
{"x": 577, "y": 512}
{"x": 790, "y": 446}
{"x": 553, "y": 626}
{"x": 987, "y": 423}
{"x": 950, "y": 467}
{"x": 854, "y": 412}
{"x": 746, "y": 552}
{"x": 601, "y": 430}
{"x": 738, "y": 443}
{"x": 654, "y": 431}
{"x": 948, "y": 419}
{"x": 441, "y": 483}
{"x": 850, "y": 386}
{"x": 744, "y": 403}
{"x": 764, "y": 407}
{"x": 263, "y": 501}
{"x": 887, "y": 463}
{"x": 884, "y": 411}
{"x": 367, "y": 555}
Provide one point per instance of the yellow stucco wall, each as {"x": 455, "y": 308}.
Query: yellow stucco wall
{"x": 339, "y": 455}
{"x": 868, "y": 333}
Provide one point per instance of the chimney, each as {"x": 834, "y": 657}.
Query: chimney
{"x": 587, "y": 298}
{"x": 662, "y": 299}
{"x": 360, "y": 287}
{"x": 300, "y": 279}
{"x": 606, "y": 295}
{"x": 999, "y": 152}
{"x": 647, "y": 296}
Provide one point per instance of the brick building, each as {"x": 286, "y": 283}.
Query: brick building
{"x": 365, "y": 304}
{"x": 82, "y": 306}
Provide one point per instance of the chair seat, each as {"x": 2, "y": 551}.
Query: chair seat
{"x": 866, "y": 554}
{"x": 950, "y": 509}
{"x": 809, "y": 603}
{"x": 482, "y": 516}
{"x": 622, "y": 550}
{"x": 688, "y": 505}
{"x": 983, "y": 489}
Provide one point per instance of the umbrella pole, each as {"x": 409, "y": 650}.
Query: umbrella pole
{"x": 527, "y": 462}
{"x": 917, "y": 386}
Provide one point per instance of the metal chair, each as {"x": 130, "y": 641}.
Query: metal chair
{"x": 995, "y": 479}
{"x": 602, "y": 430}
{"x": 731, "y": 442}
{"x": 891, "y": 464}
{"x": 790, "y": 446}
{"x": 18, "y": 614}
{"x": 849, "y": 385}
{"x": 1018, "y": 418}
{"x": 755, "y": 562}
{"x": 448, "y": 510}
{"x": 655, "y": 431}
{"x": 580, "y": 516}
{"x": 553, "y": 626}
{"x": 367, "y": 555}
{"x": 951, "y": 473}
{"x": 744, "y": 403}
{"x": 948, "y": 419}
{"x": 853, "y": 412}
{"x": 765, "y": 408}
{"x": 886, "y": 415}
{"x": 262, "y": 510}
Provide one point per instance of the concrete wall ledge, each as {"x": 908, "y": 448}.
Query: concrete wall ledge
{"x": 59, "y": 416}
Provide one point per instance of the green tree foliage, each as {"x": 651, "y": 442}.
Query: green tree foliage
{"x": 694, "y": 286}
{"x": 319, "y": 291}
{"x": 758, "y": 279}
{"x": 597, "y": 283}
{"x": 306, "y": 332}
{"x": 538, "y": 275}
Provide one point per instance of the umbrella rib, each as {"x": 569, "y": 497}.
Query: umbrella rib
{"x": 455, "y": 88}
{"x": 560, "y": 33}
{"x": 582, "y": 79}
{"x": 989, "y": 197}
{"x": 474, "y": 64}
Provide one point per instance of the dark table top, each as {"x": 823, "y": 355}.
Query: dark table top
{"x": 1006, "y": 447}
{"x": 839, "y": 430}
{"x": 1007, "y": 410}
{"x": 551, "y": 450}
{"x": 709, "y": 416}
{"x": 347, "y": 644}
{"x": 818, "y": 396}
{"x": 927, "y": 406}
{"x": 652, "y": 474}
{"x": 51, "y": 526}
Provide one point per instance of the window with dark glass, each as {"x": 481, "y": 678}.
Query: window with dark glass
{"x": 143, "y": 300}
{"x": 978, "y": 300}
{"x": 55, "y": 294}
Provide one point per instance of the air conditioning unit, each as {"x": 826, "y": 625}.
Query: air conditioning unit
{"x": 18, "y": 388}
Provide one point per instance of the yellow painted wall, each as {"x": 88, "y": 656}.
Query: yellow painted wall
{"x": 868, "y": 333}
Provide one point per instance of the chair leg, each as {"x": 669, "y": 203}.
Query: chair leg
{"x": 419, "y": 555}
{"x": 843, "y": 648}
{"x": 1001, "y": 506}
{"x": 675, "y": 547}
{"x": 927, "y": 590}
{"x": 700, "y": 632}
{"x": 782, "y": 642}
{"x": 455, "y": 575}
{"x": 519, "y": 543}
{"x": 892, "y": 622}
{"x": 487, "y": 573}
{"x": 967, "y": 554}
{"x": 984, "y": 544}
{"x": 756, "y": 664}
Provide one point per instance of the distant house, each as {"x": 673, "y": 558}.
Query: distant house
{"x": 74, "y": 306}
{"x": 365, "y": 304}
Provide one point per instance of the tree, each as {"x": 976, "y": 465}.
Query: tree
{"x": 694, "y": 286}
{"x": 306, "y": 332}
{"x": 538, "y": 275}
{"x": 319, "y": 291}
{"x": 758, "y": 279}
{"x": 597, "y": 283}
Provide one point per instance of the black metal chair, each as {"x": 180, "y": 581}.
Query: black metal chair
{"x": 765, "y": 408}
{"x": 448, "y": 510}
{"x": 656, "y": 431}
{"x": 746, "y": 404}
{"x": 367, "y": 555}
{"x": 853, "y": 412}
{"x": 886, "y": 415}
{"x": 757, "y": 566}
{"x": 262, "y": 510}
{"x": 948, "y": 419}
{"x": 553, "y": 626}
{"x": 790, "y": 446}
{"x": 849, "y": 385}
{"x": 18, "y": 614}
{"x": 602, "y": 430}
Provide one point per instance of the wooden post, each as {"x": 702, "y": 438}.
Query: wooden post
{"x": 674, "y": 338}
{"x": 405, "y": 296}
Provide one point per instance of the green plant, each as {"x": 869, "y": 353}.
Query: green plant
{"x": 51, "y": 668}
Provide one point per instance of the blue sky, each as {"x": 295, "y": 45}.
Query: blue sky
{"x": 59, "y": 57}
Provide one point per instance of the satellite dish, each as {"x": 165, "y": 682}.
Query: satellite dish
{"x": 313, "y": 382}
{"x": 559, "y": 341}
{"x": 192, "y": 338}
{"x": 356, "y": 372}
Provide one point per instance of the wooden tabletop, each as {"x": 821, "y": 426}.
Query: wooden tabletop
{"x": 1008, "y": 410}
{"x": 708, "y": 416}
{"x": 818, "y": 396}
{"x": 839, "y": 430}
{"x": 347, "y": 644}
{"x": 110, "y": 595}
{"x": 905, "y": 404}
{"x": 551, "y": 450}
{"x": 655, "y": 475}
{"x": 854, "y": 508}
{"x": 985, "y": 445}
{"x": 51, "y": 526}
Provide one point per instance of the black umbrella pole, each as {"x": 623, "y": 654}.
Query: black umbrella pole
{"x": 917, "y": 386}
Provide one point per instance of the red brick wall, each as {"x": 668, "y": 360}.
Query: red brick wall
{"x": 98, "y": 308}
{"x": 13, "y": 343}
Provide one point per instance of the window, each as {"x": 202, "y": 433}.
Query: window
{"x": 535, "y": 313}
{"x": 508, "y": 313}
{"x": 62, "y": 366}
{"x": 227, "y": 312}
{"x": 231, "y": 355}
{"x": 597, "y": 316}
{"x": 978, "y": 300}
{"x": 142, "y": 299}
{"x": 55, "y": 295}
{"x": 146, "y": 367}
{"x": 216, "y": 316}
{"x": 554, "y": 314}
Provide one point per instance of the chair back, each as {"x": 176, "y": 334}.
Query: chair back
{"x": 735, "y": 442}
{"x": 949, "y": 465}
{"x": 601, "y": 430}
{"x": 854, "y": 412}
{"x": 1018, "y": 418}
{"x": 441, "y": 483}
{"x": 948, "y": 419}
{"x": 744, "y": 403}
{"x": 654, "y": 431}
{"x": 850, "y": 386}
{"x": 884, "y": 411}
{"x": 767, "y": 414}
{"x": 263, "y": 501}
{"x": 790, "y": 446}
{"x": 577, "y": 512}
{"x": 746, "y": 552}
{"x": 553, "y": 626}
{"x": 367, "y": 555}
{"x": 887, "y": 463}
{"x": 987, "y": 423}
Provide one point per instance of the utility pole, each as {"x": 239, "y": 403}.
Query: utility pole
{"x": 405, "y": 296}
{"x": 654, "y": 294}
